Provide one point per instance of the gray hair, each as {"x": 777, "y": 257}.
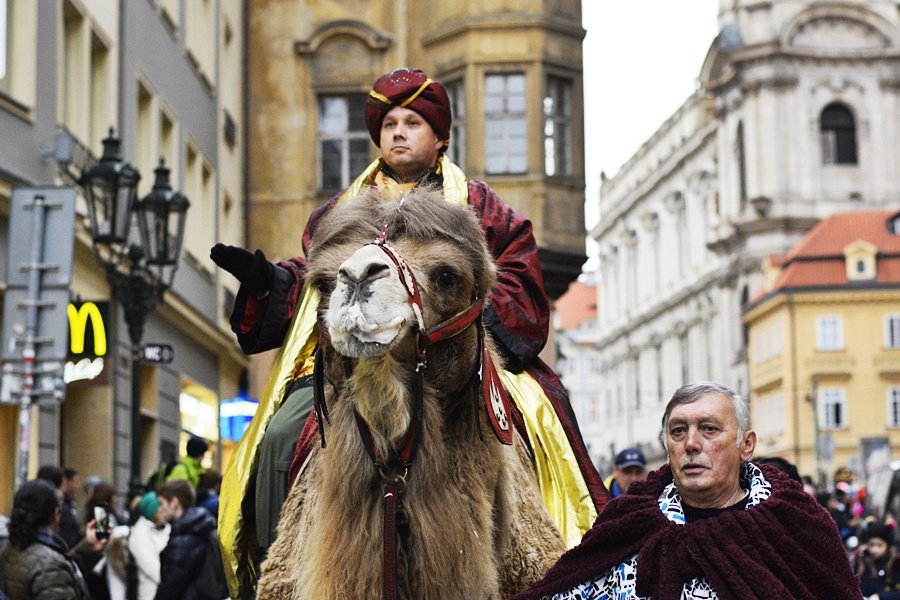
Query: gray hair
{"x": 691, "y": 392}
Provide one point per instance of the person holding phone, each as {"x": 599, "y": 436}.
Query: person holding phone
{"x": 36, "y": 562}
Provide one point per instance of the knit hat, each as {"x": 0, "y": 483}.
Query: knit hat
{"x": 196, "y": 447}
{"x": 412, "y": 89}
{"x": 878, "y": 530}
{"x": 148, "y": 505}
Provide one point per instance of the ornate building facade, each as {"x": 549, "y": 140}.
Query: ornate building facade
{"x": 167, "y": 76}
{"x": 797, "y": 116}
{"x": 514, "y": 75}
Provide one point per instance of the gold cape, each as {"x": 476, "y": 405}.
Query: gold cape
{"x": 563, "y": 488}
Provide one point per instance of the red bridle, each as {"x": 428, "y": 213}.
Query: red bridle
{"x": 395, "y": 469}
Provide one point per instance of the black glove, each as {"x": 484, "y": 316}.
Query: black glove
{"x": 251, "y": 269}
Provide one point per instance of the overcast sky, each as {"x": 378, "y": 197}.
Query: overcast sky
{"x": 641, "y": 62}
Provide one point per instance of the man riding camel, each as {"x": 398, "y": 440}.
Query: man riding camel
{"x": 408, "y": 117}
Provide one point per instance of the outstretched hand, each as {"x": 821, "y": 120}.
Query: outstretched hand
{"x": 251, "y": 269}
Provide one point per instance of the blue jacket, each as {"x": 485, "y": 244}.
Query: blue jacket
{"x": 183, "y": 556}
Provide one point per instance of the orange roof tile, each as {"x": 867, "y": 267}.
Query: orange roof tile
{"x": 576, "y": 306}
{"x": 830, "y": 235}
{"x": 817, "y": 260}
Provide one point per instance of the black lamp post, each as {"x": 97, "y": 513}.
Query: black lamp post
{"x": 111, "y": 188}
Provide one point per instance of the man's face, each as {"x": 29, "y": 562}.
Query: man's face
{"x": 625, "y": 476}
{"x": 169, "y": 509}
{"x": 408, "y": 143}
{"x": 70, "y": 486}
{"x": 703, "y": 454}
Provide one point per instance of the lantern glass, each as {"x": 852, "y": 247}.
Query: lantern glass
{"x": 161, "y": 215}
{"x": 111, "y": 188}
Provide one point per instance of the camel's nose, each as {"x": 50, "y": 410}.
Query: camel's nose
{"x": 364, "y": 266}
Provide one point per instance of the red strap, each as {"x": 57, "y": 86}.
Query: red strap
{"x": 389, "y": 552}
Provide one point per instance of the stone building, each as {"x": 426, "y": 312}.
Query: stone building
{"x": 167, "y": 75}
{"x": 797, "y": 116}
{"x": 514, "y": 75}
{"x": 824, "y": 347}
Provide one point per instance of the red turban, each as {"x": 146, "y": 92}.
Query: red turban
{"x": 412, "y": 89}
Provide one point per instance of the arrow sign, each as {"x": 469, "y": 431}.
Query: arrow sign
{"x": 157, "y": 354}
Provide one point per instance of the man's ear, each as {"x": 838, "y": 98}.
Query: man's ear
{"x": 748, "y": 445}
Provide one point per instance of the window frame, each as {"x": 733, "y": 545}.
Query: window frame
{"x": 456, "y": 92}
{"x": 344, "y": 139}
{"x": 558, "y": 162}
{"x": 838, "y": 137}
{"x": 832, "y": 397}
{"x": 892, "y": 396}
{"x": 823, "y": 341}
{"x": 505, "y": 118}
{"x": 892, "y": 331}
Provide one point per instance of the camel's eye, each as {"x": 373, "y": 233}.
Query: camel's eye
{"x": 323, "y": 285}
{"x": 447, "y": 278}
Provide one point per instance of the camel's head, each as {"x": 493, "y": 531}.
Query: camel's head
{"x": 365, "y": 295}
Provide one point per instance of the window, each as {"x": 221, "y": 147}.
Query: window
{"x": 86, "y": 101}
{"x": 18, "y": 51}
{"x": 832, "y": 408}
{"x": 838, "y": 135}
{"x": 457, "y": 150}
{"x": 558, "y": 127}
{"x": 200, "y": 36}
{"x": 742, "y": 163}
{"x": 343, "y": 140}
{"x": 199, "y": 186}
{"x": 893, "y": 406}
{"x": 829, "y": 333}
{"x": 892, "y": 331}
{"x": 6, "y": 33}
{"x": 506, "y": 143}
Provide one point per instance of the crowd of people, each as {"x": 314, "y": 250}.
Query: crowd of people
{"x": 164, "y": 539}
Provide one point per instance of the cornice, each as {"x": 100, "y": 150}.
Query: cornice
{"x": 456, "y": 27}
{"x": 370, "y": 36}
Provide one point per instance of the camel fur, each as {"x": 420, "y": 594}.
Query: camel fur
{"x": 477, "y": 525}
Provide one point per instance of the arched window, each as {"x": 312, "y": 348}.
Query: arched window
{"x": 838, "y": 134}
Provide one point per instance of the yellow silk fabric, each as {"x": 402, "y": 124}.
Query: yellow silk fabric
{"x": 563, "y": 488}
{"x": 562, "y": 485}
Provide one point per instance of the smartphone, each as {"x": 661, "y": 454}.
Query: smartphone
{"x": 101, "y": 521}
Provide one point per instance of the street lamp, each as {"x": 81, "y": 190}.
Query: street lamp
{"x": 111, "y": 189}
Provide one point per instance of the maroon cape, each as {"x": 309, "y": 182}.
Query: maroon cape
{"x": 518, "y": 316}
{"x": 785, "y": 547}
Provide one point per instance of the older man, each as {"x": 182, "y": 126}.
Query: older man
{"x": 408, "y": 118}
{"x": 708, "y": 525}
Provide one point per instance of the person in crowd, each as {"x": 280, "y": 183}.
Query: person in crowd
{"x": 69, "y": 528}
{"x": 36, "y": 563}
{"x": 709, "y": 524}
{"x": 630, "y": 466}
{"x": 809, "y": 486}
{"x": 779, "y": 462}
{"x": 95, "y": 566}
{"x": 876, "y": 562}
{"x": 149, "y": 536}
{"x": 208, "y": 492}
{"x": 4, "y": 531}
{"x": 190, "y": 466}
{"x": 184, "y": 555}
{"x": 408, "y": 117}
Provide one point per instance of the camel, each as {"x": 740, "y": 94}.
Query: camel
{"x": 470, "y": 522}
